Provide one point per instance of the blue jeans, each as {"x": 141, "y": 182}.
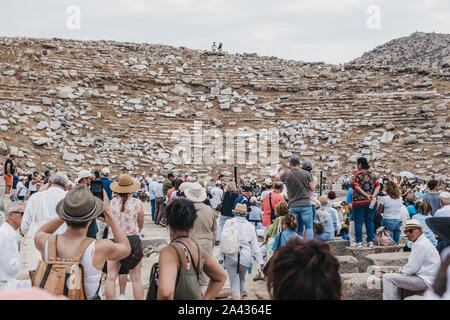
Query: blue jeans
{"x": 314, "y": 211}
{"x": 152, "y": 203}
{"x": 304, "y": 216}
{"x": 393, "y": 225}
{"x": 362, "y": 214}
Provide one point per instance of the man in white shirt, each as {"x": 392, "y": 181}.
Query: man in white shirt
{"x": 159, "y": 197}
{"x": 21, "y": 189}
{"x": 423, "y": 263}
{"x": 217, "y": 195}
{"x": 43, "y": 204}
{"x": 9, "y": 246}
{"x": 151, "y": 184}
{"x": 444, "y": 211}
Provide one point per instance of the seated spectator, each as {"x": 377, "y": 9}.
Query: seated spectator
{"x": 304, "y": 270}
{"x": 325, "y": 217}
{"x": 444, "y": 200}
{"x": 410, "y": 205}
{"x": 289, "y": 231}
{"x": 433, "y": 196}
{"x": 425, "y": 210}
{"x": 418, "y": 274}
{"x": 9, "y": 249}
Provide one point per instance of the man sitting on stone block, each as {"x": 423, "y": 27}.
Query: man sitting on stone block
{"x": 418, "y": 274}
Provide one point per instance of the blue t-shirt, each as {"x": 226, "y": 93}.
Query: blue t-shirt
{"x": 349, "y": 201}
{"x": 328, "y": 228}
{"x": 412, "y": 210}
{"x": 285, "y": 236}
{"x": 106, "y": 185}
{"x": 433, "y": 198}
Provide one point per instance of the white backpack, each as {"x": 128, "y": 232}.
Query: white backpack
{"x": 229, "y": 241}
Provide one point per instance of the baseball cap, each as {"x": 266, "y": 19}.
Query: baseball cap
{"x": 307, "y": 165}
{"x": 105, "y": 171}
{"x": 294, "y": 160}
{"x": 83, "y": 174}
{"x": 268, "y": 182}
{"x": 246, "y": 189}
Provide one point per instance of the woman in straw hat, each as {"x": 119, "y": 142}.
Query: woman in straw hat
{"x": 129, "y": 212}
{"x": 238, "y": 264}
{"x": 78, "y": 209}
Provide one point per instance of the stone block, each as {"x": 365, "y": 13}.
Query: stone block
{"x": 361, "y": 286}
{"x": 360, "y": 253}
{"x": 398, "y": 259}
{"x": 348, "y": 264}
{"x": 338, "y": 246}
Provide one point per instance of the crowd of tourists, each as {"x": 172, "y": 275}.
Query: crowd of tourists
{"x": 279, "y": 228}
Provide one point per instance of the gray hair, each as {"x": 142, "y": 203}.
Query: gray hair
{"x": 14, "y": 206}
{"x": 59, "y": 179}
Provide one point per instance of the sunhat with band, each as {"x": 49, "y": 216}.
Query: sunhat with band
{"x": 79, "y": 205}
{"x": 412, "y": 224}
{"x": 195, "y": 192}
{"x": 240, "y": 208}
{"x": 125, "y": 185}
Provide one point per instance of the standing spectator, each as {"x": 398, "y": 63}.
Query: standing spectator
{"x": 269, "y": 203}
{"x": 423, "y": 263}
{"x": 151, "y": 184}
{"x": 237, "y": 265}
{"x": 9, "y": 169}
{"x": 46, "y": 176}
{"x": 390, "y": 206}
{"x": 21, "y": 189}
{"x": 366, "y": 188}
{"x": 182, "y": 259}
{"x": 324, "y": 217}
{"x": 304, "y": 270}
{"x": 106, "y": 182}
{"x": 267, "y": 185}
{"x": 244, "y": 198}
{"x": 299, "y": 182}
{"x": 9, "y": 249}
{"x": 159, "y": 197}
{"x": 205, "y": 226}
{"x": 34, "y": 183}
{"x": 77, "y": 210}
{"x": 255, "y": 217}
{"x": 129, "y": 212}
{"x": 43, "y": 204}
{"x": 217, "y": 195}
{"x": 229, "y": 198}
{"x": 307, "y": 165}
{"x": 214, "y": 47}
{"x": 168, "y": 184}
{"x": 433, "y": 196}
{"x": 425, "y": 210}
{"x": 220, "y": 47}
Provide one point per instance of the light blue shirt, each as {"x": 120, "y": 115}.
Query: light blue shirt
{"x": 427, "y": 232}
{"x": 158, "y": 190}
{"x": 255, "y": 214}
{"x": 328, "y": 228}
{"x": 285, "y": 236}
{"x": 151, "y": 190}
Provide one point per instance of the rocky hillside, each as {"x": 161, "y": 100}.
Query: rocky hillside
{"x": 418, "y": 51}
{"x": 74, "y": 104}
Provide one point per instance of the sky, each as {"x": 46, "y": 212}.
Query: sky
{"x": 334, "y": 31}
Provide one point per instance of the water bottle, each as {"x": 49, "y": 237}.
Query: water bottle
{"x": 372, "y": 203}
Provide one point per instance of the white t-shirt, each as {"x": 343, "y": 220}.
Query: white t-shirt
{"x": 23, "y": 189}
{"x": 217, "y": 195}
{"x": 32, "y": 187}
{"x": 391, "y": 207}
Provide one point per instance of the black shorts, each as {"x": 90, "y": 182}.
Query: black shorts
{"x": 136, "y": 255}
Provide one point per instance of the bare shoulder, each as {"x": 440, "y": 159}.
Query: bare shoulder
{"x": 104, "y": 245}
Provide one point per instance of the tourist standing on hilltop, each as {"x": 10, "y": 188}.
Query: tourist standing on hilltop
{"x": 129, "y": 212}
{"x": 433, "y": 196}
{"x": 214, "y": 47}
{"x": 299, "y": 182}
{"x": 9, "y": 169}
{"x": 364, "y": 204}
{"x": 220, "y": 47}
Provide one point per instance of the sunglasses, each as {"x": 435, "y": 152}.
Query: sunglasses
{"x": 18, "y": 212}
{"x": 410, "y": 231}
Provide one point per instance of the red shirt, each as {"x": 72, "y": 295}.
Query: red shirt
{"x": 265, "y": 206}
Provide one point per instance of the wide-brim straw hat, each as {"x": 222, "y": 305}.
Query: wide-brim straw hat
{"x": 79, "y": 205}
{"x": 412, "y": 224}
{"x": 195, "y": 192}
{"x": 125, "y": 185}
{"x": 240, "y": 207}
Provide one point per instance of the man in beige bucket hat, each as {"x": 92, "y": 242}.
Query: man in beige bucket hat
{"x": 423, "y": 263}
{"x": 205, "y": 226}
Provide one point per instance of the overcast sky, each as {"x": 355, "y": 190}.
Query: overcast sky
{"x": 334, "y": 31}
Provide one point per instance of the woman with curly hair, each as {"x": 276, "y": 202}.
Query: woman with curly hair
{"x": 391, "y": 206}
{"x": 304, "y": 270}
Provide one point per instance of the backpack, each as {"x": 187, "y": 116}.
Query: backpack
{"x": 318, "y": 227}
{"x": 383, "y": 237}
{"x": 153, "y": 283}
{"x": 229, "y": 241}
{"x": 60, "y": 277}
